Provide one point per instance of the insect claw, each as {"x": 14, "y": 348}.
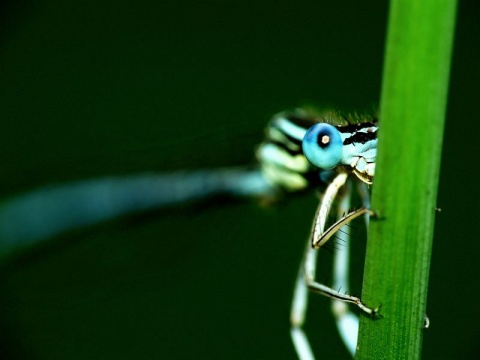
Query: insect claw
{"x": 375, "y": 312}
{"x": 375, "y": 215}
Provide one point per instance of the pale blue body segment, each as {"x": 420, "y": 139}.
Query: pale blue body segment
{"x": 47, "y": 212}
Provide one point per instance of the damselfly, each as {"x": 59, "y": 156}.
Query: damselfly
{"x": 304, "y": 150}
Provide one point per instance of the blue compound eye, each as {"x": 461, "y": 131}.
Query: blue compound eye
{"x": 323, "y": 146}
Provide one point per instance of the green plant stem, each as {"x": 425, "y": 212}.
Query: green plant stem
{"x": 413, "y": 104}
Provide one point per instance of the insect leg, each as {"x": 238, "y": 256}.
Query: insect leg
{"x": 306, "y": 274}
{"x": 297, "y": 315}
{"x": 347, "y": 322}
{"x": 320, "y": 237}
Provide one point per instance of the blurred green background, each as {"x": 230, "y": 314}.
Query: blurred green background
{"x": 95, "y": 88}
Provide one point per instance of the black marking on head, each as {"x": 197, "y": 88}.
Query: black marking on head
{"x": 351, "y": 128}
{"x": 361, "y": 137}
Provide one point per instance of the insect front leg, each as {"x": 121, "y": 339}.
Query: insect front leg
{"x": 346, "y": 321}
{"x": 306, "y": 274}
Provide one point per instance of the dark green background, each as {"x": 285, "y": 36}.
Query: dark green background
{"x": 94, "y": 88}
